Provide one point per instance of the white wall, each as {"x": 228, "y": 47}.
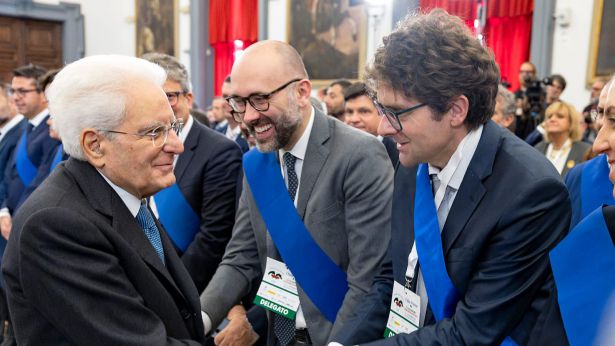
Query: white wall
{"x": 571, "y": 45}
{"x": 110, "y": 27}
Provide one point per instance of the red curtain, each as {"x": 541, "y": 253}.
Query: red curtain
{"x": 507, "y": 33}
{"x": 230, "y": 20}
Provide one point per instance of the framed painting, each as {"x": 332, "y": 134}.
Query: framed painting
{"x": 330, "y": 35}
{"x": 157, "y": 26}
{"x": 602, "y": 51}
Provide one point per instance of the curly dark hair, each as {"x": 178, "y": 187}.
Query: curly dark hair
{"x": 434, "y": 58}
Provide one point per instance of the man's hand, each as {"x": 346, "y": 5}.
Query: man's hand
{"x": 5, "y": 226}
{"x": 238, "y": 331}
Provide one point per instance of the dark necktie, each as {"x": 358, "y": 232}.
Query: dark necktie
{"x": 146, "y": 221}
{"x": 284, "y": 328}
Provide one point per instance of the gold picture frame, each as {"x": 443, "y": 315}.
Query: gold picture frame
{"x": 157, "y": 26}
{"x": 331, "y": 36}
{"x": 602, "y": 49}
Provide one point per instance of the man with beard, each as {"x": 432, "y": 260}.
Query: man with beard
{"x": 314, "y": 214}
{"x": 334, "y": 98}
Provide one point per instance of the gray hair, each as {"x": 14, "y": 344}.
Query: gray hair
{"x": 508, "y": 101}
{"x": 176, "y": 71}
{"x": 93, "y": 92}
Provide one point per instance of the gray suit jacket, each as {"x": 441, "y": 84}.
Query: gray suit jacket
{"x": 575, "y": 156}
{"x": 345, "y": 202}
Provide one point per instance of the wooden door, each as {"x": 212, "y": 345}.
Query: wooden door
{"x": 24, "y": 41}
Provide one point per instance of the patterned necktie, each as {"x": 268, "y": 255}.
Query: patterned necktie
{"x": 146, "y": 221}
{"x": 284, "y": 328}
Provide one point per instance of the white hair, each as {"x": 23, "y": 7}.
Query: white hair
{"x": 92, "y": 93}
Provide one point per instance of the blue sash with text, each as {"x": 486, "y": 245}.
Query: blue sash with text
{"x": 584, "y": 271}
{"x": 177, "y": 216}
{"x": 596, "y": 188}
{"x": 26, "y": 170}
{"x": 442, "y": 294}
{"x": 321, "y": 279}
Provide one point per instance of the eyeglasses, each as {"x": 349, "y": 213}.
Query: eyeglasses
{"x": 21, "y": 92}
{"x": 259, "y": 102}
{"x": 173, "y": 96}
{"x": 392, "y": 116}
{"x": 158, "y": 135}
{"x": 596, "y": 113}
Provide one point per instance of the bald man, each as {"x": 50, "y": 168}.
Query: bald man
{"x": 314, "y": 217}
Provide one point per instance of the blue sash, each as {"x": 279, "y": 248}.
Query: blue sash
{"x": 443, "y": 297}
{"x": 321, "y": 279}
{"x": 57, "y": 158}
{"x": 177, "y": 216}
{"x": 596, "y": 188}
{"x": 26, "y": 170}
{"x": 584, "y": 271}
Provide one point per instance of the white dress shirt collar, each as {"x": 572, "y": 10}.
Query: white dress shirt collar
{"x": 131, "y": 201}
{"x": 38, "y": 119}
{"x": 9, "y": 125}
{"x": 300, "y": 148}
{"x": 186, "y": 129}
{"x": 231, "y": 133}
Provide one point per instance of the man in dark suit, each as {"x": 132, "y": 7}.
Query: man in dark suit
{"x": 208, "y": 172}
{"x": 87, "y": 263}
{"x": 459, "y": 271}
{"x": 361, "y": 114}
{"x": 11, "y": 126}
{"x": 314, "y": 211}
{"x": 33, "y": 146}
{"x": 232, "y": 129}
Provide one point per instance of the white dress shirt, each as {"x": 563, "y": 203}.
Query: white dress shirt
{"x": 450, "y": 179}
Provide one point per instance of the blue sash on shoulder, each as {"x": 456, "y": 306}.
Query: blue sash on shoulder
{"x": 177, "y": 216}
{"x": 57, "y": 158}
{"x": 584, "y": 271}
{"x": 26, "y": 170}
{"x": 442, "y": 294}
{"x": 596, "y": 188}
{"x": 321, "y": 279}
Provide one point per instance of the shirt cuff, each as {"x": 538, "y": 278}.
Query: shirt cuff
{"x": 4, "y": 212}
{"x": 206, "y": 322}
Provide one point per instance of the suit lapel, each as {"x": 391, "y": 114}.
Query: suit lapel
{"x": 190, "y": 145}
{"x": 105, "y": 201}
{"x": 472, "y": 189}
{"x": 315, "y": 158}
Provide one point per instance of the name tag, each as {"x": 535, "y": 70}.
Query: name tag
{"x": 405, "y": 311}
{"x": 278, "y": 290}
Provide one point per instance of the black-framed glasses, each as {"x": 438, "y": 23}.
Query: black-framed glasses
{"x": 21, "y": 92}
{"x": 393, "y": 116}
{"x": 596, "y": 113}
{"x": 158, "y": 135}
{"x": 173, "y": 96}
{"x": 259, "y": 102}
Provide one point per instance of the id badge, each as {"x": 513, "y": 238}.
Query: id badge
{"x": 405, "y": 311}
{"x": 278, "y": 290}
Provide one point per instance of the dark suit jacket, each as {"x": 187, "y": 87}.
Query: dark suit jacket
{"x": 80, "y": 270}
{"x": 40, "y": 145}
{"x": 510, "y": 210}
{"x": 207, "y": 173}
{"x": 575, "y": 156}
{"x": 391, "y": 148}
{"x": 8, "y": 144}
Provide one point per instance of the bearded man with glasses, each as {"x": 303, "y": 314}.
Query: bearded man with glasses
{"x": 475, "y": 209}
{"x": 87, "y": 262}
{"x": 313, "y": 218}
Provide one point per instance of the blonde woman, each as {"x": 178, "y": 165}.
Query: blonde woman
{"x": 562, "y": 144}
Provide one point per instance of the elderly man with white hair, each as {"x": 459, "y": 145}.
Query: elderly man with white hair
{"x": 86, "y": 262}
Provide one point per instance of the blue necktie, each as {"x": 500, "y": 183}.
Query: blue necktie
{"x": 146, "y": 221}
{"x": 284, "y": 328}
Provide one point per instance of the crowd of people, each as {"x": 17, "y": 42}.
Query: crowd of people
{"x": 426, "y": 205}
